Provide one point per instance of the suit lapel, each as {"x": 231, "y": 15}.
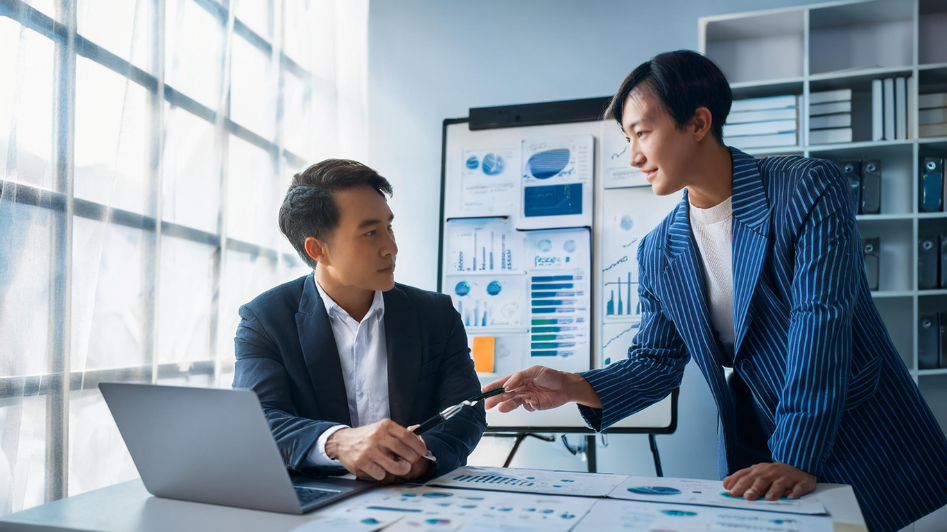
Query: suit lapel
{"x": 321, "y": 355}
{"x": 403, "y": 342}
{"x": 751, "y": 221}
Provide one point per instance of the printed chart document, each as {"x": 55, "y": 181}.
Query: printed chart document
{"x": 706, "y": 493}
{"x": 557, "y": 182}
{"x": 530, "y": 481}
{"x": 420, "y": 508}
{"x": 490, "y": 181}
{"x": 632, "y": 516}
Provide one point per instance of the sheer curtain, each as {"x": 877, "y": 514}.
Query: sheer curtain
{"x": 144, "y": 149}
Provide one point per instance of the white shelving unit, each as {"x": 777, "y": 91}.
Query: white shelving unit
{"x": 846, "y": 45}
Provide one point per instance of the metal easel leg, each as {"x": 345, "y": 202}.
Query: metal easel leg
{"x": 657, "y": 457}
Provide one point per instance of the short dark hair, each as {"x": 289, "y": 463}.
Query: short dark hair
{"x": 682, "y": 81}
{"x": 309, "y": 210}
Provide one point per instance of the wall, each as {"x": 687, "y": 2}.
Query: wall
{"x": 433, "y": 59}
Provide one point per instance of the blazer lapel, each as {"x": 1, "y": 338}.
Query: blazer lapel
{"x": 321, "y": 355}
{"x": 751, "y": 221}
{"x": 403, "y": 342}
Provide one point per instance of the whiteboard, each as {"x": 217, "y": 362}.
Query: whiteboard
{"x": 486, "y": 214}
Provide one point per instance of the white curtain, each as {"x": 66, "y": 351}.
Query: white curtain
{"x": 144, "y": 149}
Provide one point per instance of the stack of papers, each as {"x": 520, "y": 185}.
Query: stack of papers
{"x": 763, "y": 122}
{"x": 830, "y": 116}
{"x": 932, "y": 116}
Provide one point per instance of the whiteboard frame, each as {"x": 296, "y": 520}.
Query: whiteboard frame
{"x": 548, "y": 113}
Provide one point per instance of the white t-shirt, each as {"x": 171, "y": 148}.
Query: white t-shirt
{"x": 713, "y": 231}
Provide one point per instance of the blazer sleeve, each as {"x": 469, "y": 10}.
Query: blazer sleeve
{"x": 452, "y": 441}
{"x": 259, "y": 368}
{"x": 654, "y": 367}
{"x": 826, "y": 271}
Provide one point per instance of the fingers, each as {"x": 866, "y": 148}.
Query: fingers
{"x": 742, "y": 484}
{"x": 371, "y": 470}
{"x": 760, "y": 486}
{"x": 801, "y": 488}
{"x": 402, "y": 450}
{"x": 408, "y": 438}
{"x": 398, "y": 468}
{"x": 511, "y": 405}
{"x": 777, "y": 489}
{"x": 731, "y": 480}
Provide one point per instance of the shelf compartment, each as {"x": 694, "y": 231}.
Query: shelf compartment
{"x": 744, "y": 47}
{"x": 931, "y": 37}
{"x": 877, "y": 34}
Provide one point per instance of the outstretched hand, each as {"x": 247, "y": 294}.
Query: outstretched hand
{"x": 540, "y": 388}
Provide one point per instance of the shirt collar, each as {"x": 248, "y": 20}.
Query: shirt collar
{"x": 377, "y": 308}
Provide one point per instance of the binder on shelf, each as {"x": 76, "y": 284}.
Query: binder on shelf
{"x": 932, "y": 116}
{"x": 871, "y": 187}
{"x": 928, "y": 257}
{"x": 840, "y": 95}
{"x": 830, "y": 136}
{"x": 901, "y": 109}
{"x": 932, "y": 184}
{"x": 943, "y": 260}
{"x": 872, "y": 261}
{"x": 935, "y": 99}
{"x": 765, "y": 115}
{"x": 852, "y": 172}
{"x": 830, "y": 108}
{"x": 877, "y": 111}
{"x": 942, "y": 352}
{"x": 912, "y": 90}
{"x": 830, "y": 121}
{"x": 760, "y": 128}
{"x": 757, "y": 104}
{"x": 761, "y": 141}
{"x": 928, "y": 341}
{"x": 889, "y": 108}
{"x": 933, "y": 130}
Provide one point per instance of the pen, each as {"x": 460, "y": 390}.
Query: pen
{"x": 452, "y": 411}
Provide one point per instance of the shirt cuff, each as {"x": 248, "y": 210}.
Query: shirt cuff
{"x": 318, "y": 456}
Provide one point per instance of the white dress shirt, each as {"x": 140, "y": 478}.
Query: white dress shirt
{"x": 364, "y": 358}
{"x": 713, "y": 231}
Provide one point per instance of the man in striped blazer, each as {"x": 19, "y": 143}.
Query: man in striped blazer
{"x": 758, "y": 269}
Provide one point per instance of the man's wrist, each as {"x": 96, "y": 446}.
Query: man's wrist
{"x": 581, "y": 392}
{"x": 332, "y": 444}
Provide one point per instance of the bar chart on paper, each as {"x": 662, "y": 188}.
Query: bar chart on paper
{"x": 530, "y": 481}
{"x": 482, "y": 245}
{"x": 557, "y": 321}
{"x": 485, "y": 301}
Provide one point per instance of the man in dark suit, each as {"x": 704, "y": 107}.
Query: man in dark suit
{"x": 345, "y": 360}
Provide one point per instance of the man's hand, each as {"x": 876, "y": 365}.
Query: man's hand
{"x": 773, "y": 480}
{"x": 377, "y": 450}
{"x": 541, "y": 388}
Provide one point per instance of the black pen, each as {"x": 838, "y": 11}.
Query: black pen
{"x": 452, "y": 411}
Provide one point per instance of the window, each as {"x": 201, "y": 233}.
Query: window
{"x": 143, "y": 158}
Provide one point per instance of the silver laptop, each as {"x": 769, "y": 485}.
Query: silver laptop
{"x": 213, "y": 446}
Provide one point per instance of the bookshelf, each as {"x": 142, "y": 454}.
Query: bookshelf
{"x": 846, "y": 45}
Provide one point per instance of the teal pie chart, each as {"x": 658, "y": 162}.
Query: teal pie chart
{"x": 493, "y": 164}
{"x": 546, "y": 164}
{"x": 655, "y": 490}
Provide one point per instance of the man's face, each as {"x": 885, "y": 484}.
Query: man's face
{"x": 361, "y": 250}
{"x": 656, "y": 145}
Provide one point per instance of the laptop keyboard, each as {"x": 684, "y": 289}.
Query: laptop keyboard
{"x": 308, "y": 496}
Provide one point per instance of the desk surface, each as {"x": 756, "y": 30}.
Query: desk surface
{"x": 129, "y": 507}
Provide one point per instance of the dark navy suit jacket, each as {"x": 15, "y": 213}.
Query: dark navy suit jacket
{"x": 831, "y": 391}
{"x": 286, "y": 353}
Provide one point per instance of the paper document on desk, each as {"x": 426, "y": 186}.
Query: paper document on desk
{"x": 434, "y": 508}
{"x": 634, "y": 516}
{"x": 349, "y": 520}
{"x": 707, "y": 493}
{"x": 530, "y": 481}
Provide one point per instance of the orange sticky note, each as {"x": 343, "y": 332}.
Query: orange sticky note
{"x": 483, "y": 348}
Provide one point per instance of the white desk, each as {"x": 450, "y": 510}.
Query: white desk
{"x": 128, "y": 507}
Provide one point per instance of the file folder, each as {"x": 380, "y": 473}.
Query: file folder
{"x": 928, "y": 257}
{"x": 932, "y": 184}
{"x": 928, "y": 342}
{"x": 852, "y": 171}
{"x": 872, "y": 261}
{"x": 871, "y": 187}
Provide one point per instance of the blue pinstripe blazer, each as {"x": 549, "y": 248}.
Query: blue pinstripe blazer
{"x": 809, "y": 343}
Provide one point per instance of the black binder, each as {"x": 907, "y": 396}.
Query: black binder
{"x": 943, "y": 261}
{"x": 943, "y": 339}
{"x": 853, "y": 171}
{"x": 871, "y": 187}
{"x": 932, "y": 184}
{"x": 928, "y": 257}
{"x": 872, "y": 261}
{"x": 928, "y": 342}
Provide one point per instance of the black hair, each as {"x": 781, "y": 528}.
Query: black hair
{"x": 682, "y": 81}
{"x": 309, "y": 210}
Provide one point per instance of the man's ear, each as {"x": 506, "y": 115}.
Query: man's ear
{"x": 701, "y": 123}
{"x": 317, "y": 250}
